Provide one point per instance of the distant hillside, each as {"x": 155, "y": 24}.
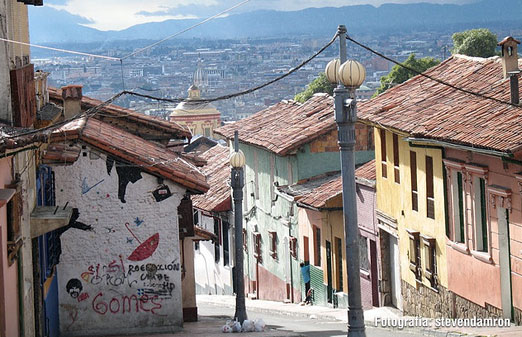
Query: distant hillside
{"x": 49, "y": 25}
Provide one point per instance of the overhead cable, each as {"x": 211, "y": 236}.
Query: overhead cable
{"x": 241, "y": 93}
{"x": 61, "y": 50}
{"x": 186, "y": 29}
{"x": 428, "y": 76}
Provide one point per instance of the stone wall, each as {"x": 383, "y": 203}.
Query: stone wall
{"x": 119, "y": 270}
{"x": 426, "y": 302}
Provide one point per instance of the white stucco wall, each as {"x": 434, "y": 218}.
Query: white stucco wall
{"x": 118, "y": 295}
{"x": 213, "y": 278}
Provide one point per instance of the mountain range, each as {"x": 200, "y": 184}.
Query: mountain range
{"x": 48, "y": 25}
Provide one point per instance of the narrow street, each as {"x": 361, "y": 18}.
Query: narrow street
{"x": 290, "y": 325}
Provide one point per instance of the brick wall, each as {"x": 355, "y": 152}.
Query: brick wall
{"x": 123, "y": 276}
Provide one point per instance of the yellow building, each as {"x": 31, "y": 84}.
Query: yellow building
{"x": 410, "y": 197}
{"x": 200, "y": 117}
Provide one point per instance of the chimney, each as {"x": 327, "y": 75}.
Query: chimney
{"x": 513, "y": 82}
{"x": 509, "y": 55}
{"x": 42, "y": 91}
{"x": 72, "y": 100}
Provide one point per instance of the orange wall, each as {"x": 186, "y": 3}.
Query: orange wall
{"x": 9, "y": 307}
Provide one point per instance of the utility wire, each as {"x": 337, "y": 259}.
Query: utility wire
{"x": 96, "y": 109}
{"x": 61, "y": 50}
{"x": 186, "y": 29}
{"x": 241, "y": 93}
{"x": 428, "y": 76}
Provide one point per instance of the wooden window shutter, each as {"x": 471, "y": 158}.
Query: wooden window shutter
{"x": 23, "y": 96}
{"x": 185, "y": 217}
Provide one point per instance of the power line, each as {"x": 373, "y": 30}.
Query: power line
{"x": 428, "y": 76}
{"x": 186, "y": 29}
{"x": 61, "y": 50}
{"x": 241, "y": 93}
{"x": 96, "y": 109}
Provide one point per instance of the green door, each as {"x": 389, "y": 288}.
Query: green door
{"x": 329, "y": 288}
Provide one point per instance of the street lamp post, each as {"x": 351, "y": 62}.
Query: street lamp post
{"x": 349, "y": 75}
{"x": 237, "y": 161}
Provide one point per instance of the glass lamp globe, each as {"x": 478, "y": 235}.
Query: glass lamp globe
{"x": 237, "y": 159}
{"x": 332, "y": 70}
{"x": 352, "y": 74}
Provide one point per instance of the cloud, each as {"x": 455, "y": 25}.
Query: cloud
{"x": 121, "y": 14}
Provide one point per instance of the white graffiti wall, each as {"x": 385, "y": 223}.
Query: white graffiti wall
{"x": 119, "y": 270}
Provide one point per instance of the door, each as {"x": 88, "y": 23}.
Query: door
{"x": 395, "y": 276}
{"x": 306, "y": 249}
{"x": 46, "y": 257}
{"x": 373, "y": 273}
{"x": 505, "y": 263}
{"x": 329, "y": 287}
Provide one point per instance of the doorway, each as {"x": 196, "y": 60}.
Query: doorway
{"x": 505, "y": 263}
{"x": 395, "y": 276}
{"x": 329, "y": 288}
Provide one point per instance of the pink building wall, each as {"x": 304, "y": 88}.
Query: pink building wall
{"x": 469, "y": 276}
{"x": 9, "y": 317}
{"x": 366, "y": 203}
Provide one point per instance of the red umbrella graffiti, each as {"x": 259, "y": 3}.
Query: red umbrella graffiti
{"x": 145, "y": 249}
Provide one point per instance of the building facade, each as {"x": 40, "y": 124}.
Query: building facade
{"x": 297, "y": 142}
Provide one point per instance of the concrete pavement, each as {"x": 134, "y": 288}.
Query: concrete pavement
{"x": 373, "y": 316}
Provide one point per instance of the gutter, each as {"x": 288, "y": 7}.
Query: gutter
{"x": 440, "y": 143}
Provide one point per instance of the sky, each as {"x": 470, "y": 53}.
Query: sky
{"x": 121, "y": 14}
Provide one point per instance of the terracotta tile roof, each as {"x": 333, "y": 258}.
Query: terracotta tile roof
{"x": 154, "y": 158}
{"x": 286, "y": 126}
{"x": 366, "y": 171}
{"x": 173, "y": 128}
{"x": 424, "y": 108}
{"x": 202, "y": 234}
{"x": 217, "y": 171}
{"x": 316, "y": 191}
{"x": 24, "y": 138}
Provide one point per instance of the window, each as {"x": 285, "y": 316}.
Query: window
{"x": 383, "y": 153}
{"x": 430, "y": 258}
{"x": 245, "y": 239}
{"x": 196, "y": 217}
{"x": 413, "y": 173}
{"x": 363, "y": 254}
{"x": 339, "y": 263}
{"x": 293, "y": 247}
{"x": 217, "y": 243}
{"x": 396, "y": 171}
{"x": 226, "y": 245}
{"x": 430, "y": 196}
{"x": 207, "y": 132}
{"x": 272, "y": 187}
{"x": 459, "y": 221}
{"x": 317, "y": 246}
{"x": 256, "y": 176}
{"x": 273, "y": 243}
{"x": 414, "y": 254}
{"x": 257, "y": 246}
{"x": 481, "y": 220}
{"x": 196, "y": 245}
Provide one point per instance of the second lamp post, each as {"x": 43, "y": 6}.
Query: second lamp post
{"x": 348, "y": 75}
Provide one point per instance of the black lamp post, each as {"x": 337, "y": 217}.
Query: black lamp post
{"x": 348, "y": 75}
{"x": 237, "y": 162}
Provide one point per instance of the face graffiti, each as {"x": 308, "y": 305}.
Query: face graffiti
{"x": 74, "y": 287}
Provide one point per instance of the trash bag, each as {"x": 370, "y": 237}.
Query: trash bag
{"x": 259, "y": 325}
{"x": 226, "y": 328}
{"x": 248, "y": 326}
{"x": 236, "y": 326}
